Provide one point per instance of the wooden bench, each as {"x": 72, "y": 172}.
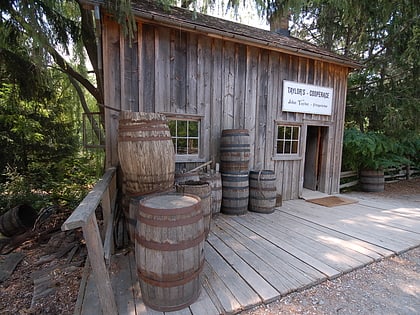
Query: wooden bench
{"x": 99, "y": 247}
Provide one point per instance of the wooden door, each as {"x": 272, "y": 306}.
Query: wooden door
{"x": 313, "y": 157}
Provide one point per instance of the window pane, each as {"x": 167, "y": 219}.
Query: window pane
{"x": 295, "y": 135}
{"x": 295, "y": 147}
{"x": 193, "y": 146}
{"x": 193, "y": 128}
{"x": 172, "y": 127}
{"x": 181, "y": 128}
{"x": 287, "y": 147}
{"x": 288, "y": 133}
{"x": 280, "y": 147}
{"x": 287, "y": 139}
{"x": 280, "y": 133}
{"x": 182, "y": 146}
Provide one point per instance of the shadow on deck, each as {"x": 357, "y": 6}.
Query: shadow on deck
{"x": 258, "y": 258}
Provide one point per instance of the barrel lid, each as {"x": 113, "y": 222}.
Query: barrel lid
{"x": 170, "y": 201}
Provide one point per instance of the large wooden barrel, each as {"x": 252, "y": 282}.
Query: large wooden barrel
{"x": 372, "y": 180}
{"x": 146, "y": 153}
{"x": 203, "y": 190}
{"x": 17, "y": 220}
{"x": 215, "y": 182}
{"x": 234, "y": 151}
{"x": 169, "y": 250}
{"x": 262, "y": 191}
{"x": 235, "y": 193}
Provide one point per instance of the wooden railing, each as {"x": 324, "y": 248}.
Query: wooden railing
{"x": 391, "y": 175}
{"x": 99, "y": 247}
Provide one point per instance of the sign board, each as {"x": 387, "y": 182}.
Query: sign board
{"x": 306, "y": 98}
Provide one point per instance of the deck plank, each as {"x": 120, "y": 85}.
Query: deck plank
{"x": 263, "y": 288}
{"x": 141, "y": 308}
{"x": 244, "y": 294}
{"x": 254, "y": 258}
{"x": 370, "y": 221}
{"x": 341, "y": 257}
{"x": 290, "y": 248}
{"x": 204, "y": 305}
{"x": 218, "y": 292}
{"x": 368, "y": 249}
{"x": 388, "y": 238}
{"x": 269, "y": 261}
{"x": 122, "y": 285}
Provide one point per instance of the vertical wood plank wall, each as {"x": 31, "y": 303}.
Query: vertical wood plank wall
{"x": 229, "y": 85}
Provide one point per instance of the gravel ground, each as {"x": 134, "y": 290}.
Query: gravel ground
{"x": 389, "y": 286}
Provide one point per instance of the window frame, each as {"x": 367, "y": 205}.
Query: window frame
{"x": 195, "y": 118}
{"x": 287, "y": 156}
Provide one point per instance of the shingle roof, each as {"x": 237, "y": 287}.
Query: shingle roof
{"x": 212, "y": 26}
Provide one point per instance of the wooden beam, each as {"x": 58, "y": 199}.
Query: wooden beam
{"x": 81, "y": 215}
{"x": 99, "y": 270}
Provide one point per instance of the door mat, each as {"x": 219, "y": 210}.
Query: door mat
{"x": 332, "y": 201}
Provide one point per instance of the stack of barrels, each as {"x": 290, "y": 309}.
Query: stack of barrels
{"x": 243, "y": 189}
{"x": 147, "y": 160}
{"x": 234, "y": 167}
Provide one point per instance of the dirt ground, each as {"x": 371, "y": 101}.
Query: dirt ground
{"x": 46, "y": 280}
{"x": 390, "y": 286}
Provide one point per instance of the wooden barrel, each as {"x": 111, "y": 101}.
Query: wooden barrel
{"x": 262, "y": 191}
{"x": 169, "y": 250}
{"x": 203, "y": 190}
{"x": 215, "y": 182}
{"x": 235, "y": 193}
{"x": 234, "y": 151}
{"x": 146, "y": 153}
{"x": 372, "y": 180}
{"x": 17, "y": 220}
{"x": 131, "y": 217}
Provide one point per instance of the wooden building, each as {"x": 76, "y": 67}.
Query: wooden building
{"x": 210, "y": 74}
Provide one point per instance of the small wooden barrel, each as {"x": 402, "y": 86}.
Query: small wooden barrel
{"x": 17, "y": 220}
{"x": 202, "y": 190}
{"x": 235, "y": 193}
{"x": 146, "y": 153}
{"x": 234, "y": 151}
{"x": 169, "y": 250}
{"x": 215, "y": 182}
{"x": 372, "y": 180}
{"x": 262, "y": 191}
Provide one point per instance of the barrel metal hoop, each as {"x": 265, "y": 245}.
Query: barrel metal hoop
{"x": 187, "y": 277}
{"x": 158, "y": 138}
{"x": 236, "y": 198}
{"x": 166, "y": 247}
{"x": 142, "y": 122}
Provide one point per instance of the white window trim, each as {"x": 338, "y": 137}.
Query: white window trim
{"x": 182, "y": 158}
{"x": 287, "y": 157}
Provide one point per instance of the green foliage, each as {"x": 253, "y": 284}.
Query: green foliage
{"x": 40, "y": 157}
{"x": 373, "y": 151}
{"x": 65, "y": 182}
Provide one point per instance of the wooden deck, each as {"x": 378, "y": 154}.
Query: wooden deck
{"x": 257, "y": 258}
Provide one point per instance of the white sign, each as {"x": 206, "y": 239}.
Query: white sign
{"x": 306, "y": 98}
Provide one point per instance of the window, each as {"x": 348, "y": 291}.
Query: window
{"x": 287, "y": 141}
{"x": 185, "y": 136}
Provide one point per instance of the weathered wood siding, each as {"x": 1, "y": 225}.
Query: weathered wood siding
{"x": 229, "y": 85}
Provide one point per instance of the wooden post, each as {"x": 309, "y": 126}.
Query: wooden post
{"x": 99, "y": 270}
